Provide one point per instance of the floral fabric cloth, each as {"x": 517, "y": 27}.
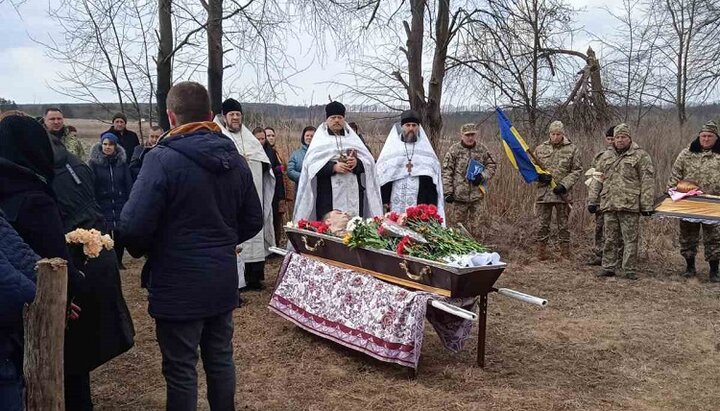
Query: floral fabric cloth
{"x": 361, "y": 312}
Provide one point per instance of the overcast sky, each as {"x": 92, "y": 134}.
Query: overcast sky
{"x": 25, "y": 71}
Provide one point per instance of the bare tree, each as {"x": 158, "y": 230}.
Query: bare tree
{"x": 689, "y": 41}
{"x": 632, "y": 61}
{"x": 516, "y": 47}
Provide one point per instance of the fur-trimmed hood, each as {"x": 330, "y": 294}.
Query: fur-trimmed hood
{"x": 97, "y": 156}
{"x": 695, "y": 146}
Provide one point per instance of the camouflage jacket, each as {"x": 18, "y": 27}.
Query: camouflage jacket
{"x": 563, "y": 163}
{"x": 72, "y": 144}
{"x": 455, "y": 166}
{"x": 699, "y": 166}
{"x": 627, "y": 181}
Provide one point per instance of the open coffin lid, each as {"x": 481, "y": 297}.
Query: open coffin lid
{"x": 412, "y": 272}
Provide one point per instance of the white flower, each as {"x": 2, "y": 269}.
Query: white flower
{"x": 353, "y": 223}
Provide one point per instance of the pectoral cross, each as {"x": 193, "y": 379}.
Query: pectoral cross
{"x": 409, "y": 166}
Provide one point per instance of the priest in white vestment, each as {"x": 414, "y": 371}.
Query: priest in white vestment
{"x": 338, "y": 172}
{"x": 255, "y": 250}
{"x": 408, "y": 170}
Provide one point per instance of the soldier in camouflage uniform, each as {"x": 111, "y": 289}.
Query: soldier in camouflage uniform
{"x": 55, "y": 124}
{"x": 561, "y": 159}
{"x": 623, "y": 192}
{"x": 599, "y": 226}
{"x": 465, "y": 195}
{"x": 700, "y": 164}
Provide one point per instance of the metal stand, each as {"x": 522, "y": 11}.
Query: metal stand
{"x": 482, "y": 322}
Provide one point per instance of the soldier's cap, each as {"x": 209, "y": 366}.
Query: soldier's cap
{"x": 711, "y": 127}
{"x": 469, "y": 128}
{"x": 557, "y": 127}
{"x": 622, "y": 130}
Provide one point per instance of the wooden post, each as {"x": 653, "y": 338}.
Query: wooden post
{"x": 45, "y": 337}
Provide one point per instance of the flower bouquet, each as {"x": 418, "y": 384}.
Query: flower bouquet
{"x": 93, "y": 241}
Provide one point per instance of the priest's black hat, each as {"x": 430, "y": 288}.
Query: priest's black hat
{"x": 231, "y": 105}
{"x": 409, "y": 116}
{"x": 334, "y": 108}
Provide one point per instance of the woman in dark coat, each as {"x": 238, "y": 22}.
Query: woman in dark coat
{"x": 26, "y": 196}
{"x": 113, "y": 182}
{"x": 105, "y": 328}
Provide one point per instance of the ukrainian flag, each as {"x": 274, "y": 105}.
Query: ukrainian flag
{"x": 517, "y": 150}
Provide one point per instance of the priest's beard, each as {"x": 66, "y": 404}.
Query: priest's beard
{"x": 409, "y": 137}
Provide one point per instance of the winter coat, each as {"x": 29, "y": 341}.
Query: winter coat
{"x": 30, "y": 207}
{"x": 73, "y": 144}
{"x": 295, "y": 164}
{"x": 563, "y": 163}
{"x": 699, "y": 166}
{"x": 104, "y": 329}
{"x": 127, "y": 139}
{"x": 17, "y": 288}
{"x": 277, "y": 169}
{"x": 627, "y": 182}
{"x": 191, "y": 205}
{"x": 74, "y": 187}
{"x": 113, "y": 182}
{"x": 136, "y": 162}
{"x": 455, "y": 168}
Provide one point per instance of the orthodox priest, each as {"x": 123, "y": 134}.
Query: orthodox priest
{"x": 338, "y": 172}
{"x": 255, "y": 250}
{"x": 408, "y": 171}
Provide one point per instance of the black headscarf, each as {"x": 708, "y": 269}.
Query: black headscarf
{"x": 24, "y": 142}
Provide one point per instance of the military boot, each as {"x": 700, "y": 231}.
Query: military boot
{"x": 605, "y": 273}
{"x": 631, "y": 275}
{"x": 690, "y": 270}
{"x": 714, "y": 277}
{"x": 595, "y": 260}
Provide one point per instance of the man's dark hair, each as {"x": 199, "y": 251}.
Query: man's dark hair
{"x": 353, "y": 125}
{"x": 610, "y": 132}
{"x": 156, "y": 128}
{"x": 258, "y": 130}
{"x": 189, "y": 101}
{"x": 71, "y": 129}
{"x": 270, "y": 128}
{"x": 49, "y": 109}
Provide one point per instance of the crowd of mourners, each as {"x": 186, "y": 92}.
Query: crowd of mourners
{"x": 204, "y": 201}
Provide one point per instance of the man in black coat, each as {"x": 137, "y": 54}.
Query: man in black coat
{"x": 105, "y": 329}
{"x": 127, "y": 139}
{"x": 193, "y": 202}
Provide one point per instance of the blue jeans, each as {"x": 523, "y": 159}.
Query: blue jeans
{"x": 179, "y": 341}
{"x": 11, "y": 386}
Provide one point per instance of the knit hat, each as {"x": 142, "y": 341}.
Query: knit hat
{"x": 335, "y": 108}
{"x": 231, "y": 105}
{"x": 711, "y": 127}
{"x": 121, "y": 116}
{"x": 109, "y": 136}
{"x": 622, "y": 129}
{"x": 469, "y": 128}
{"x": 409, "y": 116}
{"x": 557, "y": 127}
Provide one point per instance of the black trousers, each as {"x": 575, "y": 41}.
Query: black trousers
{"x": 254, "y": 273}
{"x": 77, "y": 392}
{"x": 179, "y": 341}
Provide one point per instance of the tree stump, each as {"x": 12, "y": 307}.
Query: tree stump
{"x": 44, "y": 338}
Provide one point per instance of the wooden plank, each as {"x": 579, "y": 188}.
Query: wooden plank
{"x": 389, "y": 278}
{"x": 45, "y": 338}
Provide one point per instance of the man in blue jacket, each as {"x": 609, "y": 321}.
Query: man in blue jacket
{"x": 193, "y": 202}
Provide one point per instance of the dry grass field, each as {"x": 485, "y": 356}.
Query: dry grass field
{"x": 601, "y": 344}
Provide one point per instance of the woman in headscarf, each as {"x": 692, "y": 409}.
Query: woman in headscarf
{"x": 113, "y": 182}
{"x": 296, "y": 159}
{"x": 281, "y": 179}
{"x": 26, "y": 196}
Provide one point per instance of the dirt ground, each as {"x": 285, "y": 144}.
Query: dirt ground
{"x": 599, "y": 344}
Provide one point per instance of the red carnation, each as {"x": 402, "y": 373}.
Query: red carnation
{"x": 302, "y": 224}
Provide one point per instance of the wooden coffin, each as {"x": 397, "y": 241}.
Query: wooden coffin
{"x": 454, "y": 281}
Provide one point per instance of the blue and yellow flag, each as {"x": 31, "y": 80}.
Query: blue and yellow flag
{"x": 517, "y": 150}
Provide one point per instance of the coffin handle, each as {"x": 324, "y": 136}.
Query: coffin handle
{"x": 423, "y": 277}
{"x": 319, "y": 243}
